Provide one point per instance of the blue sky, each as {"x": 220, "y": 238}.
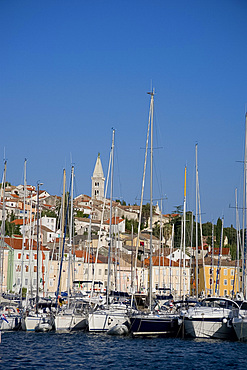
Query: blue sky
{"x": 71, "y": 70}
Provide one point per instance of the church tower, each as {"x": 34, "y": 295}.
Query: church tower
{"x": 98, "y": 181}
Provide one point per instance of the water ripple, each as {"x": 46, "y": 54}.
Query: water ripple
{"x": 83, "y": 350}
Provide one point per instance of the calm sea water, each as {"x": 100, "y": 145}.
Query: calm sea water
{"x": 22, "y": 350}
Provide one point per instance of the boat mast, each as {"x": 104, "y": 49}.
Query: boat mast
{"x": 24, "y": 227}
{"x": 110, "y": 223}
{"x": 184, "y": 228}
{"x": 100, "y": 230}
{"x": 244, "y": 231}
{"x": 212, "y": 263}
{"x": 170, "y": 260}
{"x": 151, "y": 202}
{"x": 37, "y": 278}
{"x": 238, "y": 239}
{"x": 160, "y": 242}
{"x": 3, "y": 226}
{"x": 196, "y": 221}
{"x": 70, "y": 232}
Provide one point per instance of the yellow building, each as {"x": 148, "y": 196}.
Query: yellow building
{"x": 222, "y": 280}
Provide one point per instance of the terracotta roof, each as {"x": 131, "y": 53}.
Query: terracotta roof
{"x": 224, "y": 251}
{"x": 83, "y": 254}
{"x": 16, "y": 243}
{"x": 115, "y": 221}
{"x": 163, "y": 261}
{"x": 19, "y": 221}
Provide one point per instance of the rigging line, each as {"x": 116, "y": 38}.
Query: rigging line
{"x": 159, "y": 182}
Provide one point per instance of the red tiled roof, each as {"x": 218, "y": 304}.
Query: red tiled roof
{"x": 83, "y": 254}
{"x": 162, "y": 261}
{"x": 114, "y": 221}
{"x": 19, "y": 221}
{"x": 16, "y": 243}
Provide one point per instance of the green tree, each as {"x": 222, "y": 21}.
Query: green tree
{"x": 218, "y": 228}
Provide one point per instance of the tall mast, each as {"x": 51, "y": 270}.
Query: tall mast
{"x": 24, "y": 227}
{"x": 212, "y": 262}
{"x": 37, "y": 279}
{"x": 238, "y": 239}
{"x": 196, "y": 272}
{"x": 160, "y": 246}
{"x": 110, "y": 223}
{"x": 151, "y": 202}
{"x": 2, "y": 226}
{"x": 244, "y": 231}
{"x": 183, "y": 280}
{"x": 70, "y": 232}
{"x": 62, "y": 215}
{"x": 140, "y": 216}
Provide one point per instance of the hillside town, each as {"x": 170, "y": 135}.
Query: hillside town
{"x": 172, "y": 269}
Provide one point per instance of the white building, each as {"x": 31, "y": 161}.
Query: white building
{"x": 98, "y": 181}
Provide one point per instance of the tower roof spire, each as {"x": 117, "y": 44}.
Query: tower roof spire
{"x": 98, "y": 170}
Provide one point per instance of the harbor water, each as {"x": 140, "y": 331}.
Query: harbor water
{"x": 30, "y": 350}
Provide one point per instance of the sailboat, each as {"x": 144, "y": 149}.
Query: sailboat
{"x": 149, "y": 323}
{"x": 112, "y": 318}
{"x": 32, "y": 318}
{"x": 73, "y": 316}
{"x": 240, "y": 320}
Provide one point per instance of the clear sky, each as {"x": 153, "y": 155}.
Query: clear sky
{"x": 70, "y": 70}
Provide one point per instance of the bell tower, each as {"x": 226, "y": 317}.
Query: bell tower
{"x": 98, "y": 181}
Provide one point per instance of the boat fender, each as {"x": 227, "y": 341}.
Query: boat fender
{"x": 224, "y": 320}
{"x": 180, "y": 321}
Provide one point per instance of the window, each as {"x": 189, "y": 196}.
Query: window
{"x": 225, "y": 281}
{"x": 225, "y": 272}
{"x": 105, "y": 271}
{"x": 19, "y": 256}
{"x": 100, "y": 271}
{"x": 232, "y": 281}
{"x": 27, "y": 256}
{"x": 26, "y": 268}
{"x": 232, "y": 272}
{"x": 26, "y": 282}
{"x": 51, "y": 282}
{"x": 35, "y": 256}
{"x": 225, "y": 292}
{"x": 34, "y": 282}
{"x": 34, "y": 268}
{"x": 18, "y": 281}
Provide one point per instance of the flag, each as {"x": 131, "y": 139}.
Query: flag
{"x": 3, "y": 317}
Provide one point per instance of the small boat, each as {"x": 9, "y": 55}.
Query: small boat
{"x": 43, "y": 326}
{"x": 119, "y": 329}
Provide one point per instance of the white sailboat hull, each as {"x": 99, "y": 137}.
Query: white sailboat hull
{"x": 209, "y": 328}
{"x": 70, "y": 322}
{"x": 30, "y": 323}
{"x": 102, "y": 321}
{"x": 240, "y": 327}
{"x": 12, "y": 324}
